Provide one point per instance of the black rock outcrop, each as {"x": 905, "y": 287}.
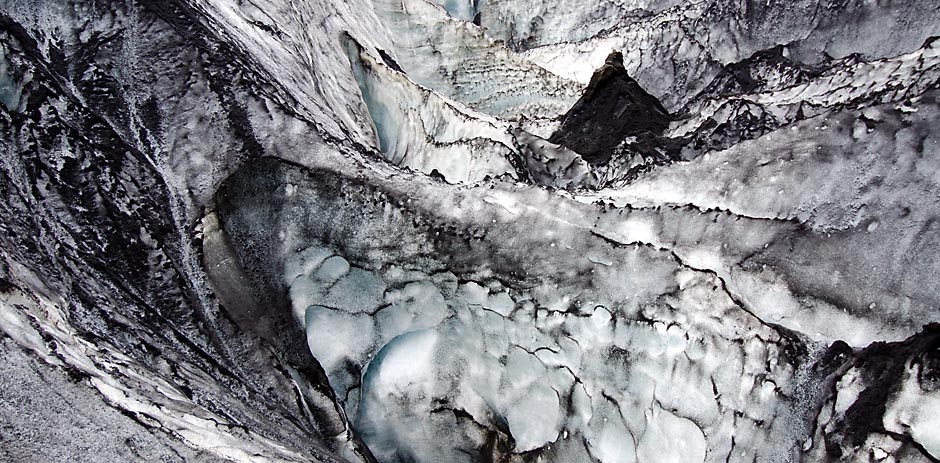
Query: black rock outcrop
{"x": 613, "y": 107}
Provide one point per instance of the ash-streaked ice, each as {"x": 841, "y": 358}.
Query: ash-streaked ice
{"x": 444, "y": 231}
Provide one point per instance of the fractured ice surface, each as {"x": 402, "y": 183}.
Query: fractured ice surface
{"x": 552, "y": 354}
{"x": 461, "y": 61}
{"x": 675, "y": 51}
{"x": 423, "y": 130}
{"x": 889, "y": 172}
{"x": 336, "y": 231}
{"x": 789, "y": 93}
{"x": 915, "y": 411}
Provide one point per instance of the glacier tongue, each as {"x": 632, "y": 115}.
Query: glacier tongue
{"x": 438, "y": 230}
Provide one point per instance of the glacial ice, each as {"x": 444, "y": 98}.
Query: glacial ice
{"x": 915, "y": 411}
{"x": 498, "y": 360}
{"x": 674, "y": 48}
{"x": 10, "y": 90}
{"x": 419, "y": 129}
{"x": 245, "y": 243}
{"x": 459, "y": 60}
{"x": 423, "y": 130}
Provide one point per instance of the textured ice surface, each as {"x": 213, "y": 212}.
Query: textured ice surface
{"x": 676, "y": 50}
{"x": 335, "y": 231}
{"x": 423, "y": 130}
{"x": 871, "y": 176}
{"x": 555, "y": 350}
{"x": 459, "y": 60}
{"x": 916, "y": 412}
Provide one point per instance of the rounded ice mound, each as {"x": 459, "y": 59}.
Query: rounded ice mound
{"x": 395, "y": 392}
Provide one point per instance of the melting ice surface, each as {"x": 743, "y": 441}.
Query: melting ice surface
{"x": 471, "y": 362}
{"x": 374, "y": 184}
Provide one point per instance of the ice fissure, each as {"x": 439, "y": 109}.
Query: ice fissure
{"x": 463, "y": 231}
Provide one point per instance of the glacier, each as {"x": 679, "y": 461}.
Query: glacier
{"x": 469, "y": 231}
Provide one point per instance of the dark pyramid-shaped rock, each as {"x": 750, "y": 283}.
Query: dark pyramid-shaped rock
{"x": 613, "y": 107}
